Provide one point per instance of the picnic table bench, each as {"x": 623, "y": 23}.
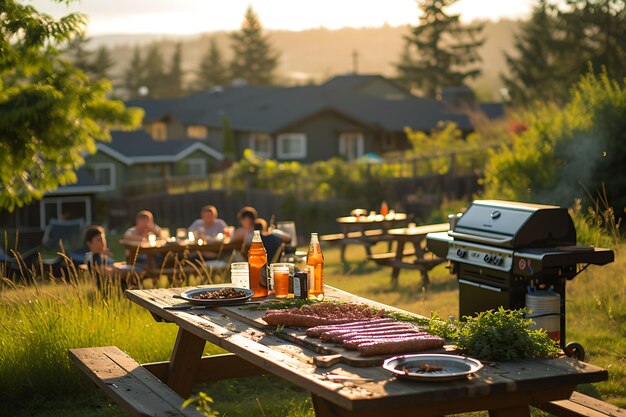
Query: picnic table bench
{"x": 423, "y": 260}
{"x": 506, "y": 389}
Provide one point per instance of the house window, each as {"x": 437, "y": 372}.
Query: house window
{"x": 261, "y": 144}
{"x": 64, "y": 208}
{"x": 351, "y": 145}
{"x": 158, "y": 131}
{"x": 197, "y": 132}
{"x": 291, "y": 146}
{"x": 196, "y": 167}
{"x": 104, "y": 174}
{"x": 388, "y": 141}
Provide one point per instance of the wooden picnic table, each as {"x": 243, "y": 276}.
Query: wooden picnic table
{"x": 421, "y": 261}
{"x": 364, "y": 230}
{"x": 162, "y": 247}
{"x": 367, "y": 222}
{"x": 505, "y": 389}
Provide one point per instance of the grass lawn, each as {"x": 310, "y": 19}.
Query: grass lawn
{"x": 39, "y": 325}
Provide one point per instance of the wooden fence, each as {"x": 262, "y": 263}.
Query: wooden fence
{"x": 416, "y": 184}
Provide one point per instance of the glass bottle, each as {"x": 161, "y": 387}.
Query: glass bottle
{"x": 384, "y": 208}
{"x": 257, "y": 266}
{"x": 315, "y": 268}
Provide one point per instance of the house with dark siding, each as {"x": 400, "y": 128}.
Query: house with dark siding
{"x": 348, "y": 116}
{"x": 131, "y": 163}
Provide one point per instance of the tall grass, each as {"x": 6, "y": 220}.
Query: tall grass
{"x": 41, "y": 322}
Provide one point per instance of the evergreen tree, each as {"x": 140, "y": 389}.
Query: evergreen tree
{"x": 537, "y": 70}
{"x": 102, "y": 63}
{"x": 446, "y": 51}
{"x": 52, "y": 112}
{"x": 212, "y": 70}
{"x": 134, "y": 74}
{"x": 78, "y": 53}
{"x": 153, "y": 75}
{"x": 173, "y": 86}
{"x": 560, "y": 43}
{"x": 595, "y": 33}
{"x": 253, "y": 57}
{"x": 228, "y": 137}
{"x": 406, "y": 61}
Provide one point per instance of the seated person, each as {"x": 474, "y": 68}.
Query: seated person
{"x": 247, "y": 216}
{"x": 272, "y": 242}
{"x": 144, "y": 226}
{"x": 98, "y": 254}
{"x": 284, "y": 236}
{"x": 208, "y": 225}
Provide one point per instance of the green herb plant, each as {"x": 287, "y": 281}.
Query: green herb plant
{"x": 498, "y": 335}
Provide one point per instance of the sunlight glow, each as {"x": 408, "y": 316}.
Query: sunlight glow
{"x": 185, "y": 17}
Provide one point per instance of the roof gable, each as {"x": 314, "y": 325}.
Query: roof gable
{"x": 138, "y": 147}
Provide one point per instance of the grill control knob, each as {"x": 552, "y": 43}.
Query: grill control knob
{"x": 488, "y": 258}
{"x": 461, "y": 253}
{"x": 496, "y": 260}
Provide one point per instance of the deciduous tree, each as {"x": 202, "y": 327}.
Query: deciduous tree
{"x": 51, "y": 113}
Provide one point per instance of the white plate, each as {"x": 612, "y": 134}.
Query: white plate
{"x": 454, "y": 367}
{"x": 188, "y": 296}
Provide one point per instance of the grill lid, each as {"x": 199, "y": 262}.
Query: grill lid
{"x": 515, "y": 225}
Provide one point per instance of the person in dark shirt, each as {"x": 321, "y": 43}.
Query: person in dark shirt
{"x": 273, "y": 242}
{"x": 98, "y": 254}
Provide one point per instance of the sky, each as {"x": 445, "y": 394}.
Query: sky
{"x": 186, "y": 17}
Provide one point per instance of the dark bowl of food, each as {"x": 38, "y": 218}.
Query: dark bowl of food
{"x": 217, "y": 296}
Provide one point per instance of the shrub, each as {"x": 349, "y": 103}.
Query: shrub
{"x": 566, "y": 153}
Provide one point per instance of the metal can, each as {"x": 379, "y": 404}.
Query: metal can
{"x": 300, "y": 285}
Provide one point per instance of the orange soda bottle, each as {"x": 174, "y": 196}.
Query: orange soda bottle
{"x": 315, "y": 268}
{"x": 257, "y": 266}
{"x": 384, "y": 208}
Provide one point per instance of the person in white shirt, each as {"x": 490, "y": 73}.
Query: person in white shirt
{"x": 208, "y": 225}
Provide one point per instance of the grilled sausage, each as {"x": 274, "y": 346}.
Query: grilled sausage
{"x": 389, "y": 333}
{"x": 411, "y": 344}
{"x": 301, "y": 320}
{"x": 352, "y": 344}
{"x": 336, "y": 335}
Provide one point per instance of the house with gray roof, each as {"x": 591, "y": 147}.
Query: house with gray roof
{"x": 131, "y": 162}
{"x": 348, "y": 116}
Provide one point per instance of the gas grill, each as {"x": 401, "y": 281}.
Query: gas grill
{"x": 501, "y": 250}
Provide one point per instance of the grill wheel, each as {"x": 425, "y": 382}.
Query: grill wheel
{"x": 575, "y": 350}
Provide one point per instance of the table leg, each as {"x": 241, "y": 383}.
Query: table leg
{"x": 325, "y": 408}
{"x": 185, "y": 362}
{"x": 151, "y": 261}
{"x": 519, "y": 411}
{"x": 395, "y": 270}
{"x": 419, "y": 257}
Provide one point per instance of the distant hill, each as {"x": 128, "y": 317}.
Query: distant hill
{"x": 316, "y": 54}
